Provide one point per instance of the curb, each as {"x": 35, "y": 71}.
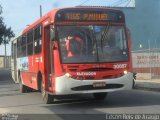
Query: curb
{"x": 148, "y": 85}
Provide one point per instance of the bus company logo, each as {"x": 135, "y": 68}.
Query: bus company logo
{"x": 119, "y": 66}
{"x": 86, "y": 73}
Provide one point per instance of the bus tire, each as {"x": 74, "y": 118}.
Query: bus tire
{"x": 39, "y": 78}
{"x": 100, "y": 96}
{"x": 23, "y": 88}
{"x": 47, "y": 98}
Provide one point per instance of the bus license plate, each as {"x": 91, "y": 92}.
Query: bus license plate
{"x": 99, "y": 84}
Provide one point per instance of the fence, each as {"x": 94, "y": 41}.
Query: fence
{"x": 4, "y": 64}
{"x": 147, "y": 63}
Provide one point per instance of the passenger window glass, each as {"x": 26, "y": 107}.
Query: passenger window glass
{"x": 38, "y": 39}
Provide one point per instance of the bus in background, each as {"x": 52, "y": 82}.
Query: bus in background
{"x": 73, "y": 51}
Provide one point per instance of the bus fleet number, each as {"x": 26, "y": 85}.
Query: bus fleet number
{"x": 118, "y": 66}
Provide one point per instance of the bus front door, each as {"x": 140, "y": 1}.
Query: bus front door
{"x": 49, "y": 67}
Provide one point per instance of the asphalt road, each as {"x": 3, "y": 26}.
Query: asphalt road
{"x": 31, "y": 104}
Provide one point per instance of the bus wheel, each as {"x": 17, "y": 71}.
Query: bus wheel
{"x": 23, "y": 88}
{"x": 47, "y": 98}
{"x": 100, "y": 96}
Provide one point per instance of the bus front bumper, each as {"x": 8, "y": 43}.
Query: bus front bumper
{"x": 65, "y": 85}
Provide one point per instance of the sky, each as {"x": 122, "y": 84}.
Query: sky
{"x": 18, "y": 14}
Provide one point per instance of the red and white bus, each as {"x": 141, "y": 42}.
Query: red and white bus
{"x": 73, "y": 51}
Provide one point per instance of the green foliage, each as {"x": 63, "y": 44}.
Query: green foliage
{"x": 6, "y": 33}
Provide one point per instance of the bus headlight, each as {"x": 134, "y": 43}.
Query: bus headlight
{"x": 68, "y": 75}
{"x": 125, "y": 72}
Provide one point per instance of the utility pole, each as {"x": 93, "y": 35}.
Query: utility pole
{"x": 5, "y": 63}
{"x": 40, "y": 11}
{"x": 0, "y": 9}
{"x": 149, "y": 46}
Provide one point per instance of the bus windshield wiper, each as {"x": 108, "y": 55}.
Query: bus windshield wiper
{"x": 95, "y": 40}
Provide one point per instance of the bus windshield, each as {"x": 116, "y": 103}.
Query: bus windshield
{"x": 92, "y": 43}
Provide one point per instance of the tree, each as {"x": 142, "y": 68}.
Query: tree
{"x": 6, "y": 33}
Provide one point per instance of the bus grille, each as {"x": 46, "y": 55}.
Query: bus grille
{"x": 90, "y": 87}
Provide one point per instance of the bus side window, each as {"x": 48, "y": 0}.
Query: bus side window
{"x": 14, "y": 50}
{"x": 30, "y": 43}
{"x": 38, "y": 39}
{"x": 24, "y": 50}
{"x": 19, "y": 47}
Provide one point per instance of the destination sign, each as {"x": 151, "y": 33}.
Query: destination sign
{"x": 88, "y": 15}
